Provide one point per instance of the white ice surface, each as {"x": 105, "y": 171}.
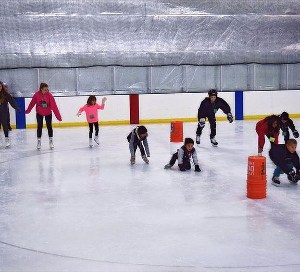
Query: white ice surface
{"x": 82, "y": 209}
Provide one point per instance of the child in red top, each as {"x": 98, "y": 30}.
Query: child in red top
{"x": 45, "y": 104}
{"x": 91, "y": 110}
{"x": 267, "y": 127}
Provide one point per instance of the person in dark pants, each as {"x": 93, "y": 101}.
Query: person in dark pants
{"x": 6, "y": 98}
{"x": 184, "y": 156}
{"x": 286, "y": 124}
{"x": 208, "y": 108}
{"x": 286, "y": 159}
{"x": 45, "y": 104}
{"x": 138, "y": 138}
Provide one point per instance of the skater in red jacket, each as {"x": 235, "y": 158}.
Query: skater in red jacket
{"x": 267, "y": 127}
{"x": 45, "y": 104}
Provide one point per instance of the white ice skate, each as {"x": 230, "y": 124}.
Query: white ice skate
{"x": 214, "y": 142}
{"x": 198, "y": 139}
{"x": 51, "y": 145}
{"x": 7, "y": 142}
{"x": 90, "y": 142}
{"x": 96, "y": 139}
{"x": 39, "y": 144}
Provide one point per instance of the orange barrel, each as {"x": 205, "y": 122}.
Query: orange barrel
{"x": 256, "y": 177}
{"x": 176, "y": 132}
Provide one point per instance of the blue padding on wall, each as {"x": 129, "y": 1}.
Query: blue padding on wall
{"x": 20, "y": 116}
{"x": 239, "y": 105}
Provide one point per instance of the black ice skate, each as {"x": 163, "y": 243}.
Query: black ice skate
{"x": 198, "y": 139}
{"x": 214, "y": 142}
{"x": 275, "y": 181}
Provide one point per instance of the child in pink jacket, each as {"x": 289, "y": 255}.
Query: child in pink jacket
{"x": 91, "y": 110}
{"x": 45, "y": 104}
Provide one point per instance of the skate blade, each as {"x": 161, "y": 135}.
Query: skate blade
{"x": 275, "y": 184}
{"x": 96, "y": 142}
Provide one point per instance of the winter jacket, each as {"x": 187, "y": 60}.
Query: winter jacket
{"x": 288, "y": 124}
{"x": 281, "y": 157}
{"x": 134, "y": 140}
{"x": 263, "y": 130}
{"x": 91, "y": 112}
{"x": 184, "y": 156}
{"x": 4, "y": 108}
{"x": 45, "y": 104}
{"x": 208, "y": 109}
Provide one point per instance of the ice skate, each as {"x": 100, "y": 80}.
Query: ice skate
{"x": 90, "y": 142}
{"x": 7, "y": 142}
{"x": 132, "y": 160}
{"x": 275, "y": 181}
{"x": 38, "y": 146}
{"x": 96, "y": 139}
{"x": 145, "y": 159}
{"x": 167, "y": 166}
{"x": 198, "y": 139}
{"x": 51, "y": 145}
{"x": 214, "y": 142}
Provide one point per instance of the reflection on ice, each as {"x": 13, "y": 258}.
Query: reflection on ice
{"x": 77, "y": 208}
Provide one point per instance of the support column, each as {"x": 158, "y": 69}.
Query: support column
{"x": 134, "y": 109}
{"x": 239, "y": 105}
{"x": 20, "y": 116}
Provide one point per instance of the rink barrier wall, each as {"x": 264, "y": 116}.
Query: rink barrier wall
{"x": 163, "y": 108}
{"x": 149, "y": 121}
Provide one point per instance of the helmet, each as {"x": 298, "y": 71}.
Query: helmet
{"x": 212, "y": 92}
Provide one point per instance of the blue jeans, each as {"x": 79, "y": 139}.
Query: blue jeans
{"x": 278, "y": 171}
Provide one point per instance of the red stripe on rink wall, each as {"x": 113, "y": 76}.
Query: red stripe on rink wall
{"x": 134, "y": 109}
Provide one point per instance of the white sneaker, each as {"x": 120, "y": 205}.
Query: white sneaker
{"x": 39, "y": 144}
{"x": 213, "y": 142}
{"x": 7, "y": 142}
{"x": 96, "y": 139}
{"x": 51, "y": 145}
{"x": 90, "y": 142}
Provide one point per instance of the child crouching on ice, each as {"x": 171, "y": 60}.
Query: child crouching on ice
{"x": 138, "y": 138}
{"x": 184, "y": 155}
{"x": 91, "y": 110}
{"x": 286, "y": 159}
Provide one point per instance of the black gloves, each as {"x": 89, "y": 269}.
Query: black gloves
{"x": 229, "y": 117}
{"x": 197, "y": 168}
{"x": 181, "y": 167}
{"x": 292, "y": 176}
{"x": 296, "y": 133}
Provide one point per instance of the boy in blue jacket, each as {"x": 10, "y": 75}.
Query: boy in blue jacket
{"x": 286, "y": 160}
{"x": 184, "y": 155}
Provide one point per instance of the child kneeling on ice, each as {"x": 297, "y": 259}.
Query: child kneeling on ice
{"x": 184, "y": 155}
{"x": 286, "y": 159}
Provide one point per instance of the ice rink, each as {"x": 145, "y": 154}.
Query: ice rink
{"x": 77, "y": 208}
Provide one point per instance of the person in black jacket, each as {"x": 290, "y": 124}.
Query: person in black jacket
{"x": 286, "y": 124}
{"x": 208, "y": 108}
{"x": 184, "y": 155}
{"x": 138, "y": 138}
{"x": 6, "y": 98}
{"x": 286, "y": 159}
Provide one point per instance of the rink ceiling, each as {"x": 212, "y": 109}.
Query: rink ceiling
{"x": 86, "y": 209}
